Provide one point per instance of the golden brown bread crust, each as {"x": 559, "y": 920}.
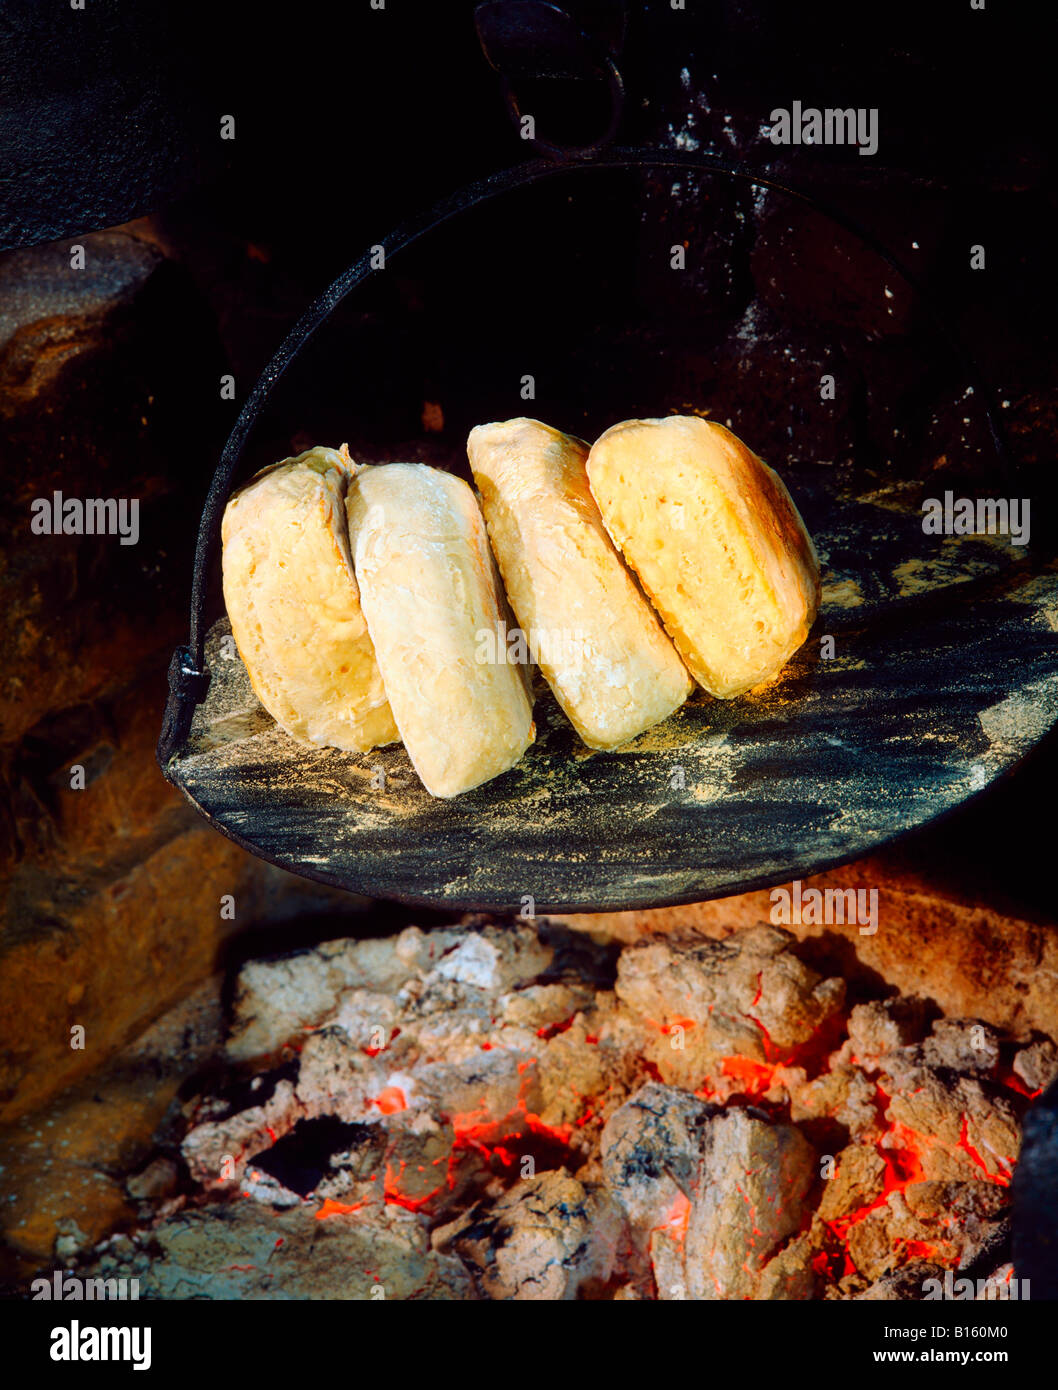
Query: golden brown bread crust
{"x": 716, "y": 541}
{"x": 294, "y": 604}
{"x": 595, "y": 638}
{"x": 429, "y": 590}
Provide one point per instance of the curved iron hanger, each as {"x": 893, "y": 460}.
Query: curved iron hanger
{"x": 188, "y": 680}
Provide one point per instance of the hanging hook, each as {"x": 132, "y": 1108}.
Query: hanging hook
{"x": 531, "y": 39}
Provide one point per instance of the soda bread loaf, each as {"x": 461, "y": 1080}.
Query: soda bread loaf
{"x": 595, "y": 638}
{"x": 716, "y": 541}
{"x": 429, "y": 590}
{"x": 295, "y": 608}
{"x": 367, "y": 607}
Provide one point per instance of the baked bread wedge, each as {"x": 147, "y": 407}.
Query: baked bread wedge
{"x": 294, "y": 604}
{"x": 429, "y": 590}
{"x": 595, "y": 638}
{"x": 716, "y": 541}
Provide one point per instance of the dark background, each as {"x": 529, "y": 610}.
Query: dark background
{"x": 349, "y": 118}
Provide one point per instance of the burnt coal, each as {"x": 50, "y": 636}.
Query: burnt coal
{"x": 312, "y": 1149}
{"x": 1036, "y": 1199}
{"x": 505, "y": 1116}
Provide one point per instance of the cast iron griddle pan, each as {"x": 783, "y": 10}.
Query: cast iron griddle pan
{"x": 944, "y": 670}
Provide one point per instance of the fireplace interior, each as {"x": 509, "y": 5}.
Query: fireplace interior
{"x": 517, "y": 1109}
{"x": 319, "y": 1095}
